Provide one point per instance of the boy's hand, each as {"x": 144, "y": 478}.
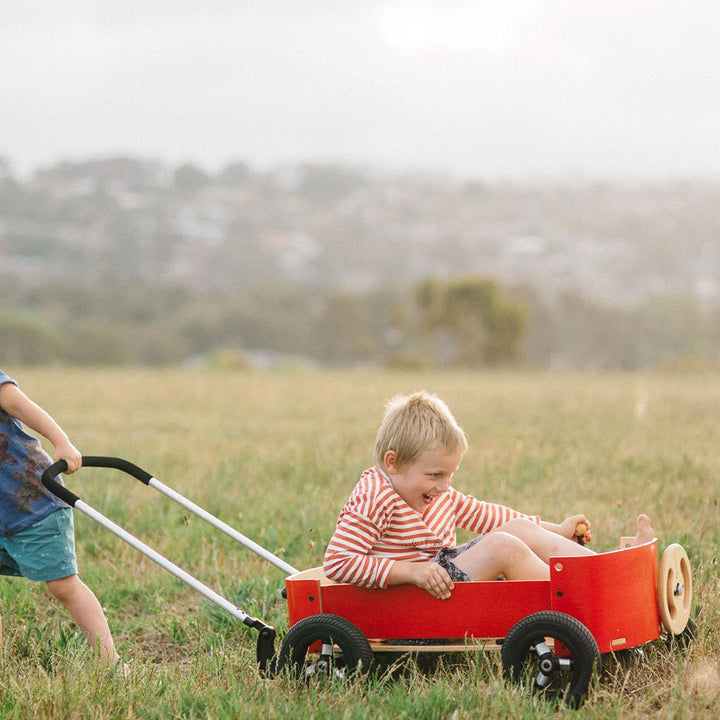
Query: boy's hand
{"x": 426, "y": 575}
{"x": 568, "y": 528}
{"x": 66, "y": 451}
{"x": 576, "y": 527}
{"x": 434, "y": 579}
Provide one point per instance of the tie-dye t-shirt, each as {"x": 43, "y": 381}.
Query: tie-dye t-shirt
{"x": 23, "y": 498}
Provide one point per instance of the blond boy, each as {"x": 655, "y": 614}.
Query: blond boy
{"x": 399, "y": 524}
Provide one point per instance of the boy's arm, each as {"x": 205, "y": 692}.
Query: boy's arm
{"x": 348, "y": 559}
{"x": 479, "y": 516}
{"x": 20, "y": 406}
{"x": 362, "y": 569}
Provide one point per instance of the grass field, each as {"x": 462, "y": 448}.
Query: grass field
{"x": 275, "y": 455}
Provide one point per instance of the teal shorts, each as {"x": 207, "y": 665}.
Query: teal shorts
{"x": 45, "y": 551}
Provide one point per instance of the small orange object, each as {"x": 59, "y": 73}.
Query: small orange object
{"x": 580, "y": 529}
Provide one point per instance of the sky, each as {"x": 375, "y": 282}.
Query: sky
{"x": 484, "y": 89}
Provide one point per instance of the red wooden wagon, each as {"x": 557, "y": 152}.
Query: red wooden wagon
{"x": 554, "y": 631}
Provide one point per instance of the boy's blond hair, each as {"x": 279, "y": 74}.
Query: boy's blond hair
{"x": 414, "y": 424}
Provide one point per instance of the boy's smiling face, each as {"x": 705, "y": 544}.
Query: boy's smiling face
{"x": 419, "y": 483}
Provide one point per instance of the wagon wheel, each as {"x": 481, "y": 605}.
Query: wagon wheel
{"x": 324, "y": 646}
{"x": 566, "y": 675}
{"x": 674, "y": 589}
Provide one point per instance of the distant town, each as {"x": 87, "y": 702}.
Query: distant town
{"x": 333, "y": 229}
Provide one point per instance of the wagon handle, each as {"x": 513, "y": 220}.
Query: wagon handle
{"x": 50, "y": 474}
{"x": 266, "y": 633}
{"x": 50, "y": 482}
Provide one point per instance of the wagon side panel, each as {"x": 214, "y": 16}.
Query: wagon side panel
{"x": 304, "y": 598}
{"x": 475, "y": 609}
{"x": 613, "y": 594}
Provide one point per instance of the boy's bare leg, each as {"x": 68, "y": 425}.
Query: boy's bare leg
{"x": 86, "y": 611}
{"x": 521, "y": 550}
{"x": 544, "y": 543}
{"x": 500, "y": 553}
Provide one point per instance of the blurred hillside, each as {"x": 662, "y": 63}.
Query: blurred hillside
{"x": 126, "y": 260}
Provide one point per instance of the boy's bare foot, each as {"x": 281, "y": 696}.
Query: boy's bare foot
{"x": 644, "y": 532}
{"x": 123, "y": 669}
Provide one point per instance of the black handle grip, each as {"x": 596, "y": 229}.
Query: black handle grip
{"x": 50, "y": 475}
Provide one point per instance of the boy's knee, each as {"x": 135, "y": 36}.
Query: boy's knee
{"x": 498, "y": 553}
{"x": 518, "y": 525}
{"x": 63, "y": 588}
{"x": 507, "y": 547}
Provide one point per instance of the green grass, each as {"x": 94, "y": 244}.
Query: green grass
{"x": 275, "y": 455}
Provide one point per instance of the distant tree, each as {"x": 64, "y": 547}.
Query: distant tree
{"x": 236, "y": 173}
{"x": 589, "y": 333}
{"x": 345, "y": 329}
{"x": 27, "y": 340}
{"x": 669, "y": 328}
{"x": 468, "y": 322}
{"x": 190, "y": 177}
{"x": 573, "y": 331}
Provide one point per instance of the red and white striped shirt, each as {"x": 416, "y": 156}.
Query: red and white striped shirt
{"x": 377, "y": 527}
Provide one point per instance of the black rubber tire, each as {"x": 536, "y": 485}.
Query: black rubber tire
{"x": 351, "y": 651}
{"x": 520, "y": 657}
{"x": 685, "y": 639}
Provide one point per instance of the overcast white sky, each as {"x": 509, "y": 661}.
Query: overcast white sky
{"x": 477, "y": 88}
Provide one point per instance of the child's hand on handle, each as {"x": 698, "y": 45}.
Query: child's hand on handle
{"x": 65, "y": 450}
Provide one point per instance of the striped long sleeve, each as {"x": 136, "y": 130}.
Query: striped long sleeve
{"x": 377, "y": 527}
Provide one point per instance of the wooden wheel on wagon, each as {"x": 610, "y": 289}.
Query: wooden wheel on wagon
{"x": 674, "y": 589}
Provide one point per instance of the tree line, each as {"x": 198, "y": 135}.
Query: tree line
{"x": 460, "y": 322}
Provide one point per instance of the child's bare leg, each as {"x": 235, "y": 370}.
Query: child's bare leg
{"x": 499, "y": 553}
{"x": 544, "y": 543}
{"x": 86, "y": 611}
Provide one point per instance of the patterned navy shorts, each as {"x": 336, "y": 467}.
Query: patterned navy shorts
{"x": 445, "y": 558}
